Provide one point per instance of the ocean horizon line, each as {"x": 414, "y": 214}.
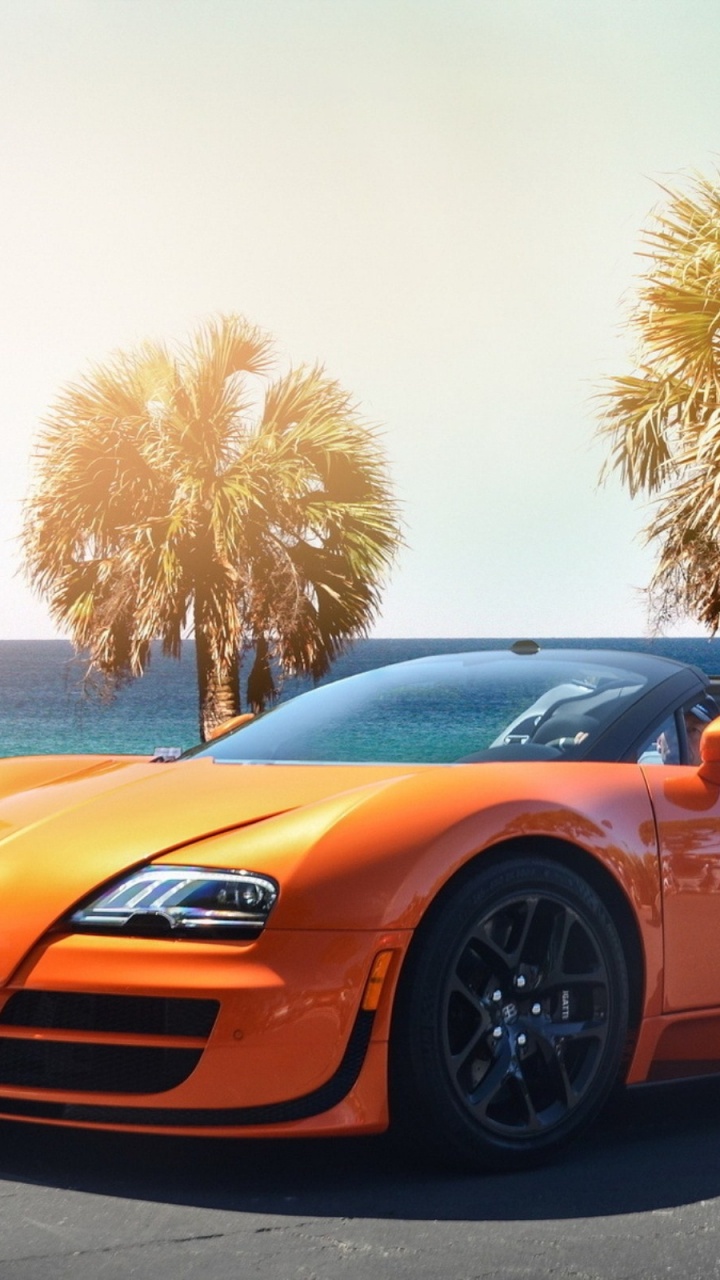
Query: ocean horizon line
{"x": 645, "y": 637}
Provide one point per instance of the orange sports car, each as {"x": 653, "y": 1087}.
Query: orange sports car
{"x": 464, "y": 894}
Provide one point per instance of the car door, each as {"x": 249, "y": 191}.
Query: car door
{"x": 687, "y": 812}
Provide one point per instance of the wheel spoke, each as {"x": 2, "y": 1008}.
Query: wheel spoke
{"x": 494, "y": 954}
{"x": 532, "y": 906}
{"x": 584, "y": 1029}
{"x": 459, "y": 987}
{"x": 550, "y": 1042}
{"x": 469, "y": 1025}
{"x": 557, "y": 971}
{"x": 509, "y": 955}
{"x": 533, "y": 1120}
{"x": 569, "y": 1093}
{"x": 492, "y": 1082}
{"x": 554, "y": 972}
{"x": 460, "y": 1059}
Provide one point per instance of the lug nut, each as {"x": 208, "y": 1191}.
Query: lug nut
{"x": 497, "y": 996}
{"x": 497, "y": 1032}
{"x": 522, "y": 1039}
{"x": 520, "y": 981}
{"x": 536, "y": 1009}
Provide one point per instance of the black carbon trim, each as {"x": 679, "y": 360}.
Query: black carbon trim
{"x": 310, "y": 1104}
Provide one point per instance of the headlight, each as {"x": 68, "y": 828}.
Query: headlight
{"x": 180, "y": 902}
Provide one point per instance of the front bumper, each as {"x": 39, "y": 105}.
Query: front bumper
{"x": 264, "y": 1038}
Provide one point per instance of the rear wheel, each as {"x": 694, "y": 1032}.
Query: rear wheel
{"x": 512, "y": 1016}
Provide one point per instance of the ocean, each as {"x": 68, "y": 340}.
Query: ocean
{"x": 45, "y": 710}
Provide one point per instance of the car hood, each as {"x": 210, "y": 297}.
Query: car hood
{"x": 68, "y": 825}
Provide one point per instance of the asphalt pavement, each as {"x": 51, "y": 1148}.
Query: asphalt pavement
{"x": 638, "y": 1198}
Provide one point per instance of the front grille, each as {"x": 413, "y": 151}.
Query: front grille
{"x": 73, "y": 1047}
{"x": 142, "y": 1015}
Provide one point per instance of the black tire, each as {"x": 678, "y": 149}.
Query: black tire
{"x": 511, "y": 1019}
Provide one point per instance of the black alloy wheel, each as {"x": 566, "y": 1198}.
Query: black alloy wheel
{"x": 512, "y": 1016}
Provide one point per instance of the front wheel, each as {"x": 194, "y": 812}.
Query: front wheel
{"x": 512, "y": 1017}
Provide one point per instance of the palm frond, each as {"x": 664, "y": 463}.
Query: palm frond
{"x": 662, "y": 423}
{"x": 169, "y": 492}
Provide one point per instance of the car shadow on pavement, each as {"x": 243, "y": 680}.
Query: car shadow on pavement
{"x": 654, "y": 1148}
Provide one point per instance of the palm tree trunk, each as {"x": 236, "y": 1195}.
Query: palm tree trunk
{"x": 218, "y": 689}
{"x": 261, "y": 685}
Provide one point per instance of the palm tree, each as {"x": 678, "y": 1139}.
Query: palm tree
{"x": 196, "y": 490}
{"x": 663, "y": 421}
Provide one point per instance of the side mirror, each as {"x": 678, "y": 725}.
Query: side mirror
{"x": 226, "y": 725}
{"x": 710, "y": 753}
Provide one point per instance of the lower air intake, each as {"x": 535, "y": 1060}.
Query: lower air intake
{"x": 94, "y": 1068}
{"x": 60, "y": 1052}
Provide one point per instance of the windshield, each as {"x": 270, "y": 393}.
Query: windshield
{"x": 441, "y": 710}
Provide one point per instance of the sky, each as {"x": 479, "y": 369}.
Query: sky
{"x": 441, "y": 201}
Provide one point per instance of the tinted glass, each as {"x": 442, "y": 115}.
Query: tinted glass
{"x": 441, "y": 710}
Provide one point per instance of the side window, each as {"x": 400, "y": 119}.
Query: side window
{"x": 662, "y": 746}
